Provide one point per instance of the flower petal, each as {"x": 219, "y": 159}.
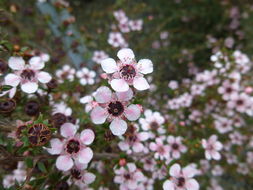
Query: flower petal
{"x": 192, "y": 184}
{"x": 87, "y": 136}
{"x": 44, "y": 77}
{"x": 145, "y": 66}
{"x": 103, "y": 94}
{"x": 132, "y": 112}
{"x": 175, "y": 170}
{"x": 12, "y": 80}
{"x": 36, "y": 63}
{"x": 140, "y": 83}
{"x": 168, "y": 185}
{"x": 189, "y": 171}
{"x": 85, "y": 155}
{"x": 125, "y": 96}
{"x": 16, "y": 63}
{"x": 119, "y": 85}
{"x": 68, "y": 130}
{"x": 56, "y": 146}
{"x": 29, "y": 87}
{"x": 89, "y": 177}
{"x": 118, "y": 127}
{"x": 64, "y": 163}
{"x": 98, "y": 115}
{"x": 109, "y": 65}
{"x": 131, "y": 167}
{"x": 125, "y": 53}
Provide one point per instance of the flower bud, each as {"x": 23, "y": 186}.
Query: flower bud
{"x": 52, "y": 84}
{"x": 7, "y": 106}
{"x": 58, "y": 119}
{"x": 32, "y": 108}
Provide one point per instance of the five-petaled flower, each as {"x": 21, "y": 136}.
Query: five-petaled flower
{"x": 127, "y": 71}
{"x": 114, "y": 107}
{"x": 212, "y": 146}
{"x": 73, "y": 148}
{"x": 181, "y": 178}
{"x": 27, "y": 75}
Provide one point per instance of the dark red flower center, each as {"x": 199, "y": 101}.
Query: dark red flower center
{"x": 180, "y": 182}
{"x": 128, "y": 72}
{"x": 28, "y": 74}
{"x": 115, "y": 108}
{"x": 76, "y": 174}
{"x": 175, "y": 146}
{"x": 73, "y": 146}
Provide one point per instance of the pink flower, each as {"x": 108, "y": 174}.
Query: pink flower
{"x": 27, "y": 75}
{"x": 115, "y": 108}
{"x": 73, "y": 147}
{"x": 128, "y": 177}
{"x": 181, "y": 179}
{"x": 161, "y": 151}
{"x": 136, "y": 25}
{"x": 80, "y": 176}
{"x": 176, "y": 146}
{"x": 127, "y": 71}
{"x": 117, "y": 40}
{"x": 134, "y": 142}
{"x": 212, "y": 146}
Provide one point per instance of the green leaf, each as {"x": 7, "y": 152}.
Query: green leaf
{"x": 6, "y": 87}
{"x": 42, "y": 167}
{"x": 29, "y": 162}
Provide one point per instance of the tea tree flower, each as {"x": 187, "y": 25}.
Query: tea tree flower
{"x": 181, "y": 178}
{"x": 128, "y": 177}
{"x": 73, "y": 148}
{"x": 115, "y": 108}
{"x": 86, "y": 76}
{"x": 127, "y": 71}
{"x": 27, "y": 75}
{"x": 212, "y": 146}
{"x": 176, "y": 146}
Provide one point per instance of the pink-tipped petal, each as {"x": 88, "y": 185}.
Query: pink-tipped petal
{"x": 192, "y": 184}
{"x": 98, "y": 115}
{"x": 56, "y": 146}
{"x": 87, "y": 136}
{"x": 12, "y": 80}
{"x": 189, "y": 171}
{"x": 88, "y": 178}
{"x": 125, "y": 96}
{"x": 36, "y": 63}
{"x": 145, "y": 66}
{"x": 168, "y": 185}
{"x": 140, "y": 83}
{"x": 85, "y": 155}
{"x": 119, "y": 85}
{"x": 16, "y": 63}
{"x": 132, "y": 112}
{"x": 138, "y": 147}
{"x": 68, "y": 130}
{"x": 125, "y": 54}
{"x": 44, "y": 77}
{"x": 109, "y": 65}
{"x": 29, "y": 87}
{"x": 103, "y": 95}
{"x": 64, "y": 163}
{"x": 175, "y": 170}
{"x": 118, "y": 127}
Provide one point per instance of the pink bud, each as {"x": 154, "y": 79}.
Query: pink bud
{"x": 248, "y": 90}
{"x": 103, "y": 76}
{"x": 122, "y": 162}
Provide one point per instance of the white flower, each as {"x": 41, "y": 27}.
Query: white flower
{"x": 86, "y": 76}
{"x": 99, "y": 56}
{"x": 212, "y": 146}
{"x": 127, "y": 71}
{"x": 27, "y": 75}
